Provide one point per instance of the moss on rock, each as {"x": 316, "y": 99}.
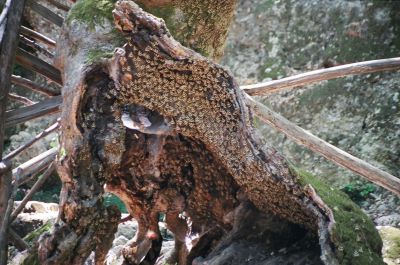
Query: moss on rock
{"x": 356, "y": 240}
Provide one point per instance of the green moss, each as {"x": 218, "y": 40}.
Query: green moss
{"x": 32, "y": 237}
{"x": 92, "y": 12}
{"x": 356, "y": 240}
{"x": 96, "y": 55}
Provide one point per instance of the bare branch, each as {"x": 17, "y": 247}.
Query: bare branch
{"x": 45, "y": 107}
{"x": 46, "y": 13}
{"x": 59, "y": 5}
{"x": 320, "y": 146}
{"x": 37, "y": 36}
{"x": 32, "y": 191}
{"x": 21, "y": 99}
{"x": 34, "y": 165}
{"x": 34, "y": 45}
{"x": 26, "y": 83}
{"x": 366, "y": 67}
{"x": 33, "y": 63}
{"x": 41, "y": 135}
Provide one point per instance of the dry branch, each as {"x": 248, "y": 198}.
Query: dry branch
{"x": 322, "y": 75}
{"x": 37, "y": 36}
{"x": 45, "y": 107}
{"x": 41, "y": 135}
{"x": 26, "y": 83}
{"x": 32, "y": 191}
{"x": 46, "y": 13}
{"x": 33, "y": 63}
{"x": 59, "y": 5}
{"x": 34, "y": 165}
{"x": 20, "y": 99}
{"x": 35, "y": 46}
{"x": 324, "y": 148}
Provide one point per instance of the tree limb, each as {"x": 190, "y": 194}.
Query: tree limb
{"x": 32, "y": 191}
{"x": 41, "y": 135}
{"x": 45, "y": 107}
{"x": 37, "y": 36}
{"x": 26, "y": 83}
{"x": 33, "y": 165}
{"x": 324, "y": 148}
{"x": 33, "y": 63}
{"x": 46, "y": 13}
{"x": 366, "y": 67}
{"x": 20, "y": 99}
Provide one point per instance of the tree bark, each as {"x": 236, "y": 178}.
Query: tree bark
{"x": 168, "y": 132}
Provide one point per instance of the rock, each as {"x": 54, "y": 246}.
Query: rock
{"x": 391, "y": 244}
{"x": 389, "y": 220}
{"x": 359, "y": 114}
{"x": 127, "y": 229}
{"x": 33, "y": 216}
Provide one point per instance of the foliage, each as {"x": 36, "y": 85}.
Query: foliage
{"x": 95, "y": 55}
{"x": 111, "y": 199}
{"x": 354, "y": 235}
{"x": 358, "y": 191}
{"x": 92, "y": 12}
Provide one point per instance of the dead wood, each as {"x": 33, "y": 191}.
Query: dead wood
{"x": 311, "y": 77}
{"x": 169, "y": 132}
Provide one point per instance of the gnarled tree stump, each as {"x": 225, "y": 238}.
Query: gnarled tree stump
{"x": 167, "y": 131}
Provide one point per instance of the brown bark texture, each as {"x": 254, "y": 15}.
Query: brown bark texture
{"x": 168, "y": 132}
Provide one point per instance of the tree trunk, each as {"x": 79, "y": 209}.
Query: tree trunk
{"x": 168, "y": 131}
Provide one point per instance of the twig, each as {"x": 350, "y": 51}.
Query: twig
{"x": 34, "y": 45}
{"x": 32, "y": 191}
{"x": 319, "y": 146}
{"x": 21, "y": 99}
{"x": 33, "y": 165}
{"x": 31, "y": 62}
{"x": 41, "y": 135}
{"x": 45, "y": 107}
{"x": 366, "y": 67}
{"x": 37, "y": 36}
{"x": 26, "y": 83}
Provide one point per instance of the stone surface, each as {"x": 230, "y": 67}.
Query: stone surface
{"x": 361, "y": 114}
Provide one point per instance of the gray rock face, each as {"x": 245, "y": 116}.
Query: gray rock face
{"x": 360, "y": 114}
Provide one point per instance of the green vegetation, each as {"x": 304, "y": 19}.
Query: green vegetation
{"x": 92, "y": 12}
{"x": 354, "y": 235}
{"x": 358, "y": 191}
{"x": 111, "y": 199}
{"x": 96, "y": 55}
{"x": 33, "y": 236}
